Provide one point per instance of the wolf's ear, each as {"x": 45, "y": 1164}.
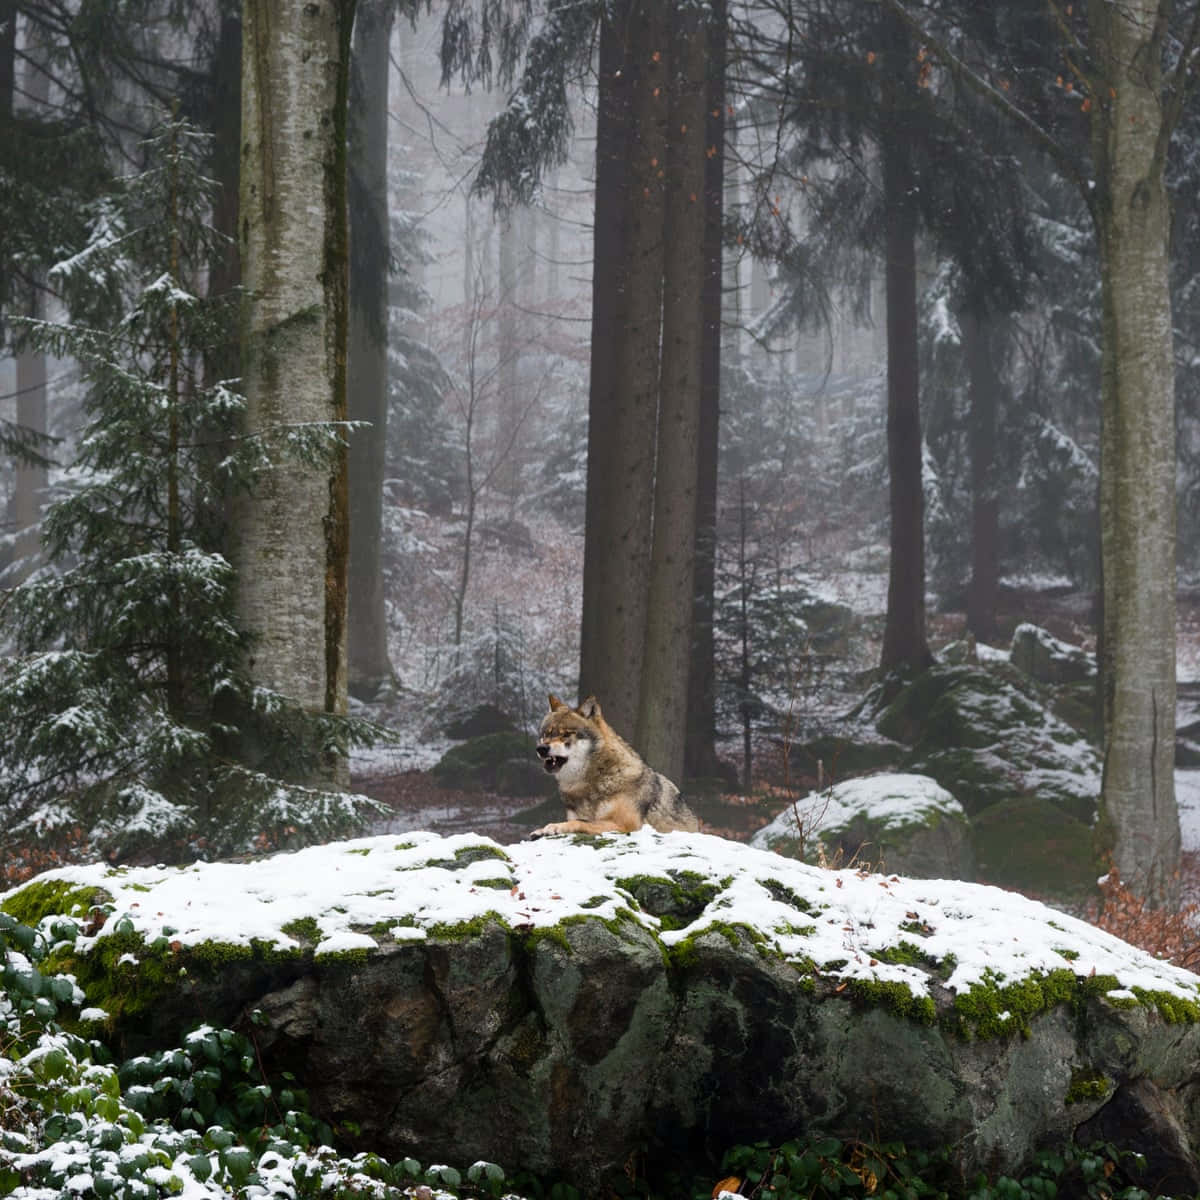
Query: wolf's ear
{"x": 556, "y": 705}
{"x": 590, "y": 708}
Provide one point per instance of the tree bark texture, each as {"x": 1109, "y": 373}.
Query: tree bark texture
{"x": 368, "y": 662}
{"x": 700, "y": 752}
{"x": 662, "y": 713}
{"x": 29, "y": 488}
{"x": 1137, "y": 449}
{"x": 623, "y": 399}
{"x": 983, "y": 384}
{"x": 904, "y": 641}
{"x": 291, "y": 550}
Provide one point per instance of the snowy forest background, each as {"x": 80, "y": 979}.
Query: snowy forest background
{"x": 488, "y": 341}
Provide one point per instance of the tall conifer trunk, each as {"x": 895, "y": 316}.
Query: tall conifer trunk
{"x": 904, "y": 641}
{"x": 662, "y": 713}
{"x": 623, "y": 399}
{"x": 983, "y": 386}
{"x": 700, "y": 753}
{"x": 368, "y": 662}
{"x": 29, "y": 489}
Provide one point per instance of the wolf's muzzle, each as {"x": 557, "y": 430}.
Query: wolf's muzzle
{"x": 551, "y": 762}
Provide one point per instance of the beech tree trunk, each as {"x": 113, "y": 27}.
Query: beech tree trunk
{"x": 904, "y": 640}
{"x": 1139, "y": 818}
{"x": 368, "y": 663}
{"x": 662, "y": 713}
{"x": 291, "y": 539}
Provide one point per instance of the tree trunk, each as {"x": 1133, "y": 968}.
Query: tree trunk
{"x": 225, "y": 120}
{"x": 1139, "y": 818}
{"x": 368, "y": 662}
{"x": 29, "y": 486}
{"x": 662, "y": 712}
{"x": 700, "y": 752}
{"x": 904, "y": 643}
{"x": 291, "y": 547}
{"x": 623, "y": 398}
{"x": 746, "y": 672}
{"x": 507, "y": 477}
{"x": 983, "y": 385}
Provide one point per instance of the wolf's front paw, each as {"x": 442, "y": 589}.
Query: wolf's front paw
{"x": 548, "y": 830}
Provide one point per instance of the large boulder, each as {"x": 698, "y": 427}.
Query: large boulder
{"x": 1066, "y": 672}
{"x": 986, "y": 735}
{"x": 502, "y": 762}
{"x": 555, "y": 1005}
{"x": 907, "y": 824}
{"x": 1048, "y": 659}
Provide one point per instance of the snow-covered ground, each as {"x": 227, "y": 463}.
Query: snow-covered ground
{"x": 1187, "y": 796}
{"x": 838, "y": 920}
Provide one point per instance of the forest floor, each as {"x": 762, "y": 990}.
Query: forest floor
{"x": 399, "y": 779}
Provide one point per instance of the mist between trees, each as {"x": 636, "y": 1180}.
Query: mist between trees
{"x": 367, "y": 359}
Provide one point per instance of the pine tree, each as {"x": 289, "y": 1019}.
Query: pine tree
{"x": 127, "y": 699}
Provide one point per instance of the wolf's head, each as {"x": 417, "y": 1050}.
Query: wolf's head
{"x": 568, "y": 738}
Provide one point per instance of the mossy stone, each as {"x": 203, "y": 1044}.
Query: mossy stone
{"x": 988, "y": 734}
{"x": 46, "y": 897}
{"x": 475, "y": 764}
{"x": 1034, "y": 846}
{"x": 524, "y": 777}
{"x": 479, "y": 722}
{"x": 837, "y": 757}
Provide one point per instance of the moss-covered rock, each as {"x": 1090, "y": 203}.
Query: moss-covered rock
{"x": 479, "y": 722}
{"x": 834, "y": 755}
{"x": 1049, "y": 660}
{"x": 906, "y": 824}
{"x": 475, "y": 765}
{"x": 524, "y": 777}
{"x": 559, "y": 1021}
{"x": 987, "y": 735}
{"x": 1035, "y": 846}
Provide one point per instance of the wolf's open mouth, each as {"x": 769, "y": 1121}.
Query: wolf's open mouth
{"x": 552, "y": 762}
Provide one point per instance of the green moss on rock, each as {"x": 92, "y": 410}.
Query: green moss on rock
{"x": 305, "y": 930}
{"x": 785, "y": 895}
{"x": 895, "y": 997}
{"x": 995, "y": 1007}
{"x": 677, "y": 899}
{"x": 1088, "y": 1085}
{"x": 1034, "y": 846}
{"x": 474, "y": 765}
{"x": 464, "y": 856}
{"x": 47, "y": 897}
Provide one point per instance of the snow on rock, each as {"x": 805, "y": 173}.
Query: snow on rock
{"x": 838, "y": 921}
{"x": 897, "y": 801}
{"x": 554, "y": 1002}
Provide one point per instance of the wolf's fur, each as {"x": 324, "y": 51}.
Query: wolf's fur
{"x": 603, "y": 782}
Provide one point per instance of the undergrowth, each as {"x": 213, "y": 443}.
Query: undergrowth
{"x": 1167, "y": 933}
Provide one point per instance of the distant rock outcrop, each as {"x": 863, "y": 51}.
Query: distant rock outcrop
{"x": 556, "y": 1005}
{"x": 1028, "y": 779}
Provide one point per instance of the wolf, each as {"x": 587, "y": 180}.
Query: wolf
{"x": 604, "y": 783}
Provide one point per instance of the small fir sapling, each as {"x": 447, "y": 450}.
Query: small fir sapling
{"x": 128, "y": 713}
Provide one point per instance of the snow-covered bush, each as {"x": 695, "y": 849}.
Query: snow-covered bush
{"x": 130, "y": 720}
